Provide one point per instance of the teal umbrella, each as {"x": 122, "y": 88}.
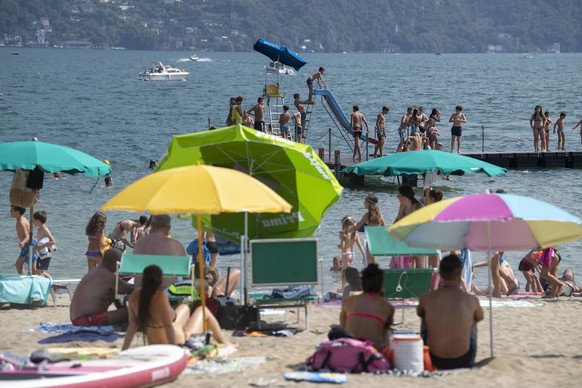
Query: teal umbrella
{"x": 50, "y": 158}
{"x": 293, "y": 170}
{"x": 424, "y": 161}
{"x": 42, "y": 157}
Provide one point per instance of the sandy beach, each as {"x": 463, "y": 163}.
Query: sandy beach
{"x": 537, "y": 344}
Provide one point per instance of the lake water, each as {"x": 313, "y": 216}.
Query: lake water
{"x": 91, "y": 100}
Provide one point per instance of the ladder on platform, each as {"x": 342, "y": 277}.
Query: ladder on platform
{"x": 306, "y": 124}
{"x": 275, "y": 102}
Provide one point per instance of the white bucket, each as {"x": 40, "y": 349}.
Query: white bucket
{"x": 408, "y": 352}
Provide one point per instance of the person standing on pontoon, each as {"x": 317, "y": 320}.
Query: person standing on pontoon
{"x": 381, "y": 131}
{"x": 317, "y": 76}
{"x": 258, "y": 110}
{"x": 356, "y": 128}
{"x": 458, "y": 119}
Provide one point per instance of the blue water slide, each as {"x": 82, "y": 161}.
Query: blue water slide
{"x": 334, "y": 106}
{"x": 339, "y": 114}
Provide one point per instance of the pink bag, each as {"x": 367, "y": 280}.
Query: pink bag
{"x": 348, "y": 355}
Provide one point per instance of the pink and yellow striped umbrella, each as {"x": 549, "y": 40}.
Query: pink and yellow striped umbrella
{"x": 488, "y": 222}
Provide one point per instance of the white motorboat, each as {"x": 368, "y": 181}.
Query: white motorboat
{"x": 194, "y": 57}
{"x": 279, "y": 68}
{"x": 161, "y": 72}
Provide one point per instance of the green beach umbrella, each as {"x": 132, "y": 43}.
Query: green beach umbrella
{"x": 292, "y": 170}
{"x": 424, "y": 161}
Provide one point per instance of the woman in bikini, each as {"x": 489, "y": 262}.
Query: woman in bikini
{"x": 98, "y": 243}
{"x": 373, "y": 217}
{"x": 150, "y": 312}
{"x": 369, "y": 315}
{"x": 536, "y": 123}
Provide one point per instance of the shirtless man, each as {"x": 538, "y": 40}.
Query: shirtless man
{"x": 142, "y": 229}
{"x": 258, "y": 110}
{"x": 449, "y": 319}
{"x": 158, "y": 242}
{"x": 381, "y": 131}
{"x": 96, "y": 292}
{"x": 458, "y": 119}
{"x": 296, "y": 118}
{"x": 300, "y": 108}
{"x": 403, "y": 129}
{"x": 317, "y": 76}
{"x": 24, "y": 239}
{"x": 284, "y": 119}
{"x": 122, "y": 230}
{"x": 356, "y": 121}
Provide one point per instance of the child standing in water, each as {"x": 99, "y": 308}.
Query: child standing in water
{"x": 373, "y": 217}
{"x": 561, "y": 136}
{"x": 98, "y": 243}
{"x": 348, "y": 237}
{"x": 45, "y": 245}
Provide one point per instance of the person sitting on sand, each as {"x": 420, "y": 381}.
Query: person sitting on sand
{"x": 449, "y": 319}
{"x": 150, "y": 313}
{"x": 96, "y": 292}
{"x": 369, "y": 315}
{"x": 351, "y": 279}
{"x": 568, "y": 279}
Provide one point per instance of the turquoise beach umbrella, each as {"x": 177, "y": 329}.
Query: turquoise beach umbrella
{"x": 424, "y": 161}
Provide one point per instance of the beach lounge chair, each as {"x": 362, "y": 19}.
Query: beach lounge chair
{"x": 283, "y": 263}
{"x": 59, "y": 286}
{"x": 401, "y": 285}
{"x": 132, "y": 264}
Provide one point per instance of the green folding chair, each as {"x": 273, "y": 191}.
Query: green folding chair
{"x": 132, "y": 264}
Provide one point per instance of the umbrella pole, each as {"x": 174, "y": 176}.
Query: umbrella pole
{"x": 30, "y": 247}
{"x": 244, "y": 256}
{"x": 201, "y": 276}
{"x": 489, "y": 256}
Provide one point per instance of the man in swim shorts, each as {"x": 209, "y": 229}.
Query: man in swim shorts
{"x": 458, "y": 119}
{"x": 356, "y": 127}
{"x": 317, "y": 76}
{"x": 25, "y": 240}
{"x": 284, "y": 119}
{"x": 381, "y": 131}
{"x": 449, "y": 319}
{"x": 96, "y": 292}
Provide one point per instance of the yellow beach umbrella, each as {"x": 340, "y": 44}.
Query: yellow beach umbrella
{"x": 198, "y": 189}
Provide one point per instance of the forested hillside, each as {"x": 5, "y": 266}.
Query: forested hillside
{"x": 305, "y": 25}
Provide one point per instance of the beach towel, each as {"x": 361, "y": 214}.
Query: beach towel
{"x": 317, "y": 377}
{"x": 467, "y": 271}
{"x": 24, "y": 289}
{"x": 292, "y": 292}
{"x": 70, "y": 333}
{"x": 192, "y": 250}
